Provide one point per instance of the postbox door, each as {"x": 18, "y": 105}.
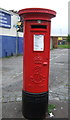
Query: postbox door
{"x": 36, "y": 57}
{"x": 39, "y": 73}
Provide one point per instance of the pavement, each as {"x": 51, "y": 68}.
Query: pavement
{"x": 11, "y": 98}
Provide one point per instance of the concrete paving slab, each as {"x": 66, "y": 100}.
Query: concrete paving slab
{"x": 14, "y": 109}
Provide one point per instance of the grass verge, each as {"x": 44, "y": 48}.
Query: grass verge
{"x": 64, "y": 46}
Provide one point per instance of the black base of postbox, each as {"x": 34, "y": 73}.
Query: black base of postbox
{"x": 34, "y": 105}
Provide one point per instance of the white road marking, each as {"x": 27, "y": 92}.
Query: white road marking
{"x": 55, "y": 57}
{"x": 17, "y": 74}
{"x": 58, "y": 63}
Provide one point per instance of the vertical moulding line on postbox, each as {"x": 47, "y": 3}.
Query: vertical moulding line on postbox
{"x": 37, "y": 23}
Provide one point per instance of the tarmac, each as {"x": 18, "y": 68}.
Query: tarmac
{"x": 11, "y": 98}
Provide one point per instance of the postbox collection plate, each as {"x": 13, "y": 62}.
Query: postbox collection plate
{"x": 38, "y": 42}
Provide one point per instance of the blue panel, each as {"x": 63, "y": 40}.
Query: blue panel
{"x": 0, "y": 46}
{"x": 5, "y": 20}
{"x": 20, "y": 45}
{"x": 8, "y": 45}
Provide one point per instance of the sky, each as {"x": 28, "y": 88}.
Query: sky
{"x": 59, "y": 25}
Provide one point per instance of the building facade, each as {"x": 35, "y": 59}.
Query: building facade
{"x": 11, "y": 41}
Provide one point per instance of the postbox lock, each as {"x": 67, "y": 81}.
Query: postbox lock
{"x": 45, "y": 63}
{"x": 39, "y": 21}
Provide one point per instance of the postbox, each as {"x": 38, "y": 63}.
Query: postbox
{"x": 36, "y": 28}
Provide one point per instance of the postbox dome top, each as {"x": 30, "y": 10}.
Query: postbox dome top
{"x": 51, "y": 13}
{"x": 37, "y": 14}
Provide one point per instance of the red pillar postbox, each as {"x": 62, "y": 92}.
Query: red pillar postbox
{"x": 37, "y": 23}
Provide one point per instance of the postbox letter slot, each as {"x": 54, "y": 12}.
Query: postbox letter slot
{"x": 38, "y": 26}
